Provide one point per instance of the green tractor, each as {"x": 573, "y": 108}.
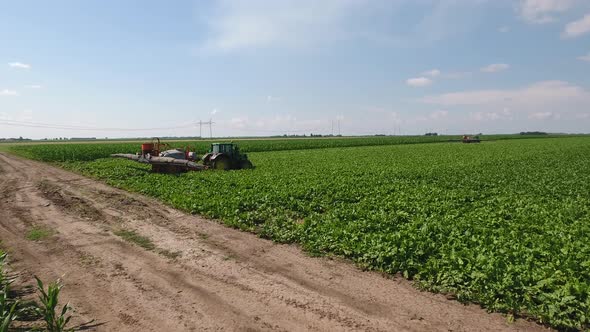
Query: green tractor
{"x": 226, "y": 156}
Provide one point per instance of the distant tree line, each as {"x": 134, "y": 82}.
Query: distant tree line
{"x": 533, "y": 133}
{"x": 12, "y": 139}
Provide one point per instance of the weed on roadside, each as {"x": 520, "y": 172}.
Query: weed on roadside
{"x": 169, "y": 254}
{"x": 38, "y": 233}
{"x": 133, "y": 237}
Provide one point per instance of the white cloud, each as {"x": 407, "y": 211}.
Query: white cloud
{"x": 432, "y": 73}
{"x": 280, "y": 123}
{"x": 540, "y": 95}
{"x": 437, "y": 115}
{"x": 19, "y": 65}
{"x": 26, "y": 115}
{"x": 7, "y": 92}
{"x": 254, "y": 24}
{"x": 214, "y": 111}
{"x": 395, "y": 118}
{"x": 442, "y": 20}
{"x": 238, "y": 122}
{"x": 419, "y": 82}
{"x": 504, "y": 29}
{"x": 270, "y": 99}
{"x": 585, "y": 57}
{"x": 504, "y": 114}
{"x": 494, "y": 68}
{"x": 34, "y": 86}
{"x": 543, "y": 116}
{"x": 577, "y": 28}
{"x": 543, "y": 11}
{"x": 556, "y": 105}
{"x": 259, "y": 23}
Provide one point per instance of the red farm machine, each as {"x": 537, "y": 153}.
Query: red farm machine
{"x": 470, "y": 139}
{"x": 164, "y": 159}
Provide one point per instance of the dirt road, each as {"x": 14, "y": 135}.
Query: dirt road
{"x": 195, "y": 274}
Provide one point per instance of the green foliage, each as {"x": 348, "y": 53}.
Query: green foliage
{"x": 61, "y": 152}
{"x": 8, "y": 312}
{"x": 7, "y": 306}
{"x": 49, "y": 301}
{"x": 505, "y": 224}
{"x": 4, "y": 279}
{"x": 85, "y": 151}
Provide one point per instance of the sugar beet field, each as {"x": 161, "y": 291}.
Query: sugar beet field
{"x": 505, "y": 223}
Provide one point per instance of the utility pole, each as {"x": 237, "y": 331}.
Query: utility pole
{"x": 339, "y": 128}
{"x": 210, "y": 123}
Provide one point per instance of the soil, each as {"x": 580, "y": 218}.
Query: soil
{"x": 187, "y": 273}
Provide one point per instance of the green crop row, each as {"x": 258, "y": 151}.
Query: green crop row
{"x": 61, "y": 152}
{"x": 84, "y": 151}
{"x": 505, "y": 224}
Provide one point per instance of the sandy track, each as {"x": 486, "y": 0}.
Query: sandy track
{"x": 200, "y": 275}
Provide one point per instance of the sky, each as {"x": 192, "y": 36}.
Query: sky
{"x": 133, "y": 68}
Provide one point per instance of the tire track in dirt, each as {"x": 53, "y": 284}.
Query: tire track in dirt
{"x": 218, "y": 278}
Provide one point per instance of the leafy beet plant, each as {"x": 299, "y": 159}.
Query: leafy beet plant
{"x": 505, "y": 224}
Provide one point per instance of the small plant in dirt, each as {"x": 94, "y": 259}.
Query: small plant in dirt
{"x": 169, "y": 254}
{"x": 38, "y": 233}
{"x": 49, "y": 303}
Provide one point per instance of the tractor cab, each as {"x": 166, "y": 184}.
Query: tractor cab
{"x": 226, "y": 156}
{"x": 227, "y": 148}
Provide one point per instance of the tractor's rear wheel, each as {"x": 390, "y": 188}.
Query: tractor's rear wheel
{"x": 246, "y": 164}
{"x": 221, "y": 164}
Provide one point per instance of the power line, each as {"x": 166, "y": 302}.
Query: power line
{"x": 75, "y": 127}
{"x": 210, "y": 128}
{"x": 90, "y": 128}
{"x": 190, "y": 125}
{"x": 210, "y": 123}
{"x": 279, "y": 131}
